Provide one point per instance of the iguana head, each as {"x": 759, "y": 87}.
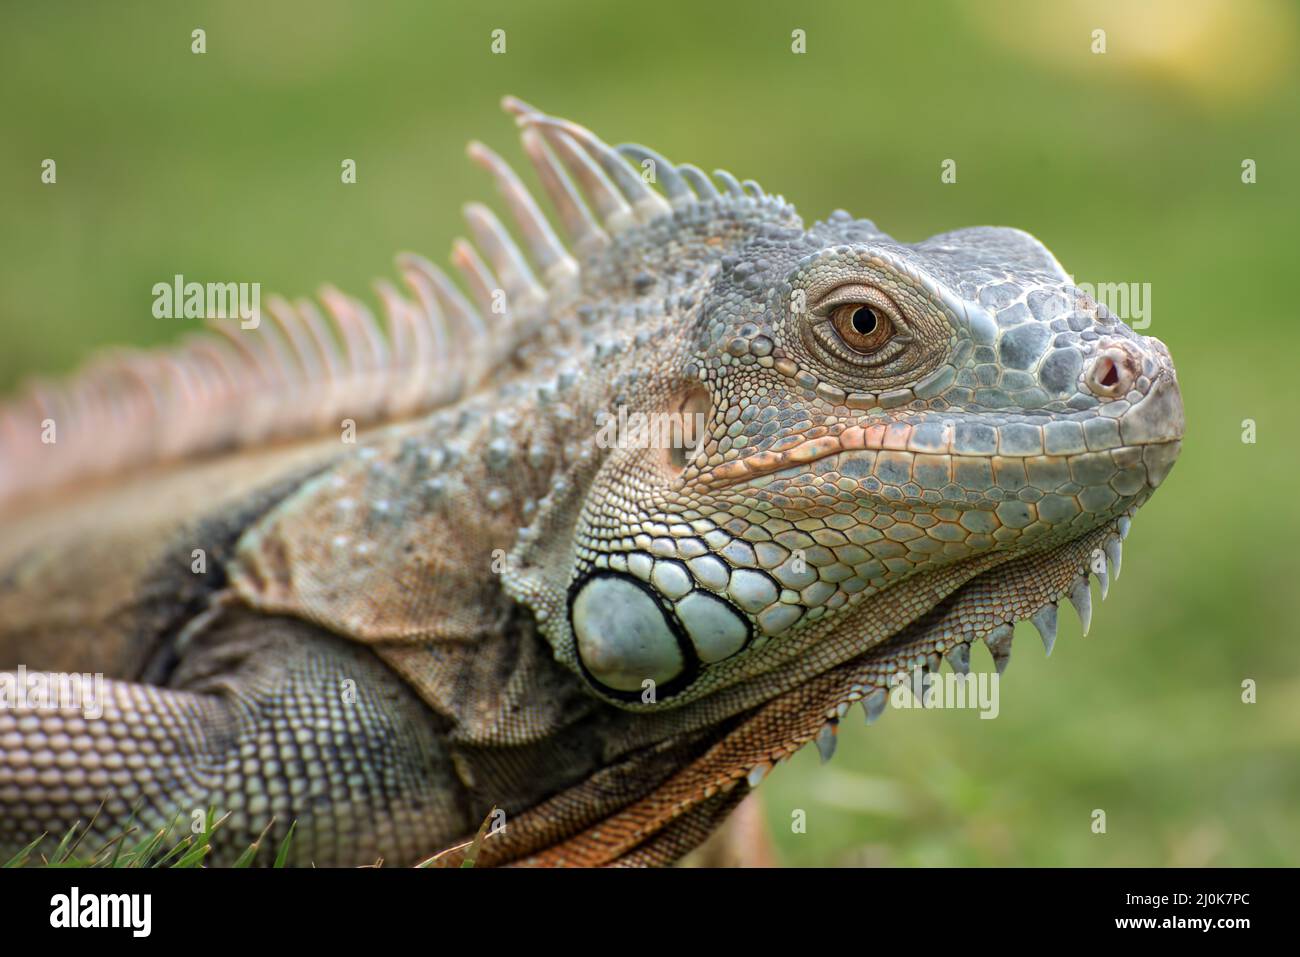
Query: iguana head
{"x": 884, "y": 426}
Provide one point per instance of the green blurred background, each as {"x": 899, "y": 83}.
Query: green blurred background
{"x": 1128, "y": 165}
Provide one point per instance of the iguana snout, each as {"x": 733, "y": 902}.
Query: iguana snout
{"x": 1143, "y": 379}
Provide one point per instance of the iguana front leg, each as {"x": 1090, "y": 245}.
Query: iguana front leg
{"x": 265, "y": 718}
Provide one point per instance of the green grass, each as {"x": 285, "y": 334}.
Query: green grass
{"x": 135, "y": 847}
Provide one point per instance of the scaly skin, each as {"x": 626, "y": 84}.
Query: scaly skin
{"x": 485, "y": 603}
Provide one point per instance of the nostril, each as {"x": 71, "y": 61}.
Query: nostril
{"x": 1107, "y": 373}
{"x": 1111, "y": 374}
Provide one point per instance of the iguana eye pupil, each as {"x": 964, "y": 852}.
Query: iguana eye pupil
{"x": 862, "y": 327}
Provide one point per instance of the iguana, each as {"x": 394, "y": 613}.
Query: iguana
{"x": 493, "y": 597}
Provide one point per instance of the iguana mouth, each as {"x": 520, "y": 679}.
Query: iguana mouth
{"x": 891, "y": 441}
{"x": 902, "y": 445}
{"x": 1152, "y": 429}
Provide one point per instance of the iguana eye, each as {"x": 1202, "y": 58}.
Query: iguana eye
{"x": 858, "y": 327}
{"x": 863, "y": 327}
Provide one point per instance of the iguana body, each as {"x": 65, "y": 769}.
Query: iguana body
{"x": 484, "y": 603}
